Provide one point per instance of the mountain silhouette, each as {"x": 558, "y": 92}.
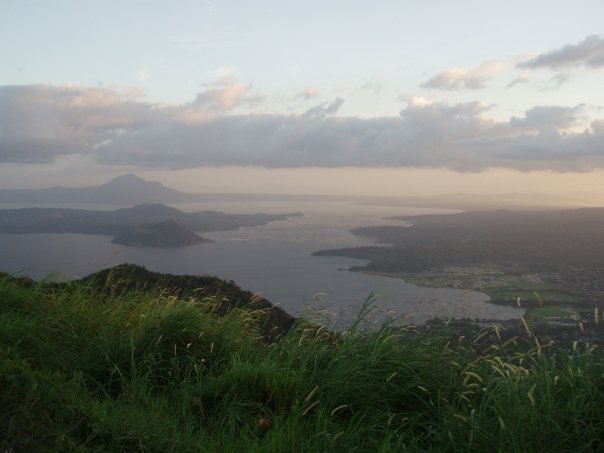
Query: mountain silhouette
{"x": 125, "y": 189}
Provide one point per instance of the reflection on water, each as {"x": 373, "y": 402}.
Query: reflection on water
{"x": 274, "y": 260}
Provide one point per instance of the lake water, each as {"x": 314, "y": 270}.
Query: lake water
{"x": 274, "y": 260}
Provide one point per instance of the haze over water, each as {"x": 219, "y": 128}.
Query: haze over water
{"x": 274, "y": 260}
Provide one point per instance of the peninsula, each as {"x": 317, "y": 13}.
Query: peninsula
{"x": 151, "y": 225}
{"x": 516, "y": 257}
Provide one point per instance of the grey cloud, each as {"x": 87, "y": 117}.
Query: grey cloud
{"x": 598, "y": 126}
{"x": 588, "y": 53}
{"x": 434, "y": 135}
{"x": 559, "y": 79}
{"x": 327, "y": 108}
{"x": 548, "y": 150}
{"x": 40, "y": 123}
{"x": 552, "y": 116}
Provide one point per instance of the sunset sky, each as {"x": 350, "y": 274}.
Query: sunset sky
{"x": 392, "y": 97}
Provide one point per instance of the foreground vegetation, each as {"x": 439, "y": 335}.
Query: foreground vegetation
{"x": 83, "y": 368}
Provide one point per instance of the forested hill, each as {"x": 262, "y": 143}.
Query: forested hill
{"x": 128, "y": 278}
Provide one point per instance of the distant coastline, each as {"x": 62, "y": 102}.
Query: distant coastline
{"x": 518, "y": 258}
{"x": 151, "y": 225}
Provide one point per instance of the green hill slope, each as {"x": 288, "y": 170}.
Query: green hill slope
{"x": 130, "y": 360}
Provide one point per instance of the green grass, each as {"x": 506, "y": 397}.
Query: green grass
{"x": 548, "y": 296}
{"x": 549, "y": 311}
{"x": 144, "y": 372}
{"x": 438, "y": 282}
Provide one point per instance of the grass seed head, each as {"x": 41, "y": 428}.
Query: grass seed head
{"x": 311, "y": 394}
{"x": 339, "y": 408}
{"x": 310, "y": 408}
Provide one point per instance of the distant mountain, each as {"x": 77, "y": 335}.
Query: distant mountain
{"x": 163, "y": 234}
{"x": 126, "y": 189}
{"x": 131, "y": 189}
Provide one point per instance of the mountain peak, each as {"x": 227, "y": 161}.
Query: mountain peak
{"x": 138, "y": 190}
{"x": 124, "y": 189}
{"x": 131, "y": 180}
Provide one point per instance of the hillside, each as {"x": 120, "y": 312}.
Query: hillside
{"x": 128, "y": 278}
{"x": 163, "y": 234}
{"x": 119, "y": 362}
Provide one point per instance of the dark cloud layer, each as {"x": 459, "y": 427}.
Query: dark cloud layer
{"x": 588, "y": 53}
{"x": 40, "y": 123}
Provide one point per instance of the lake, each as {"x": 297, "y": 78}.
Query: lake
{"x": 273, "y": 260}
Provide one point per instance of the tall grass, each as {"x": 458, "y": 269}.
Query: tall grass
{"x": 141, "y": 371}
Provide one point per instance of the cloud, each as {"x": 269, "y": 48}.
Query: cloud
{"x": 224, "y": 94}
{"x": 552, "y": 83}
{"x": 473, "y": 79}
{"x": 559, "y": 79}
{"x": 552, "y": 116}
{"x": 587, "y": 53}
{"x": 307, "y": 93}
{"x": 521, "y": 79}
{"x": 598, "y": 126}
{"x": 40, "y": 123}
{"x": 327, "y": 108}
{"x": 547, "y": 150}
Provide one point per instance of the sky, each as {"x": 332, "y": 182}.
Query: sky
{"x": 383, "y": 97}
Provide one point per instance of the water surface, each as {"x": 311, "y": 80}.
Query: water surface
{"x": 274, "y": 260}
